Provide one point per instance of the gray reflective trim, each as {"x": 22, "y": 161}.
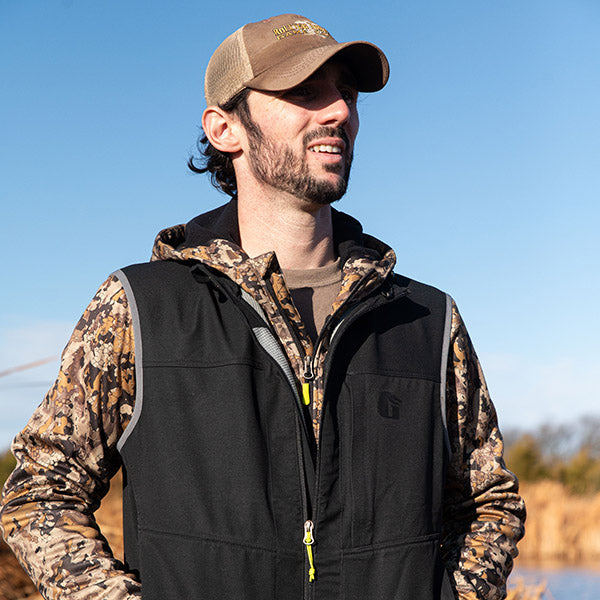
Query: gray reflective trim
{"x": 444, "y": 369}
{"x": 255, "y": 305}
{"x": 335, "y": 330}
{"x": 267, "y": 340}
{"x": 137, "y": 339}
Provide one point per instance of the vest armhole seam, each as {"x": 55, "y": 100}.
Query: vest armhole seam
{"x": 138, "y": 356}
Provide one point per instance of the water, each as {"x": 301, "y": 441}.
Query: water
{"x": 572, "y": 583}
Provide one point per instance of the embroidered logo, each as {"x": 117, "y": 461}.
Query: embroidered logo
{"x": 300, "y": 28}
{"x": 388, "y": 406}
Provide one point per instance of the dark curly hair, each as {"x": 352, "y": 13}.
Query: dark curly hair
{"x": 215, "y": 162}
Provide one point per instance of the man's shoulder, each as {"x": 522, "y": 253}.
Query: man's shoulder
{"x": 154, "y": 277}
{"x": 154, "y": 267}
{"x": 414, "y": 287}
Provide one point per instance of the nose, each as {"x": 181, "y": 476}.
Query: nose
{"x": 335, "y": 110}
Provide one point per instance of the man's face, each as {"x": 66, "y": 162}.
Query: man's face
{"x": 301, "y": 141}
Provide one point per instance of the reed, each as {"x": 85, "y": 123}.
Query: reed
{"x": 561, "y": 527}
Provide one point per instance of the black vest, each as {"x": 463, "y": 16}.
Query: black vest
{"x": 221, "y": 473}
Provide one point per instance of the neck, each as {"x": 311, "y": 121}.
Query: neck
{"x": 299, "y": 232}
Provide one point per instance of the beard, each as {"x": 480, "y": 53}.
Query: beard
{"x": 279, "y": 167}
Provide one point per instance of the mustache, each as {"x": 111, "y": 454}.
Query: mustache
{"x": 323, "y": 132}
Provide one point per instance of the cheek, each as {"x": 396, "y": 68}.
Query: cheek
{"x": 353, "y": 124}
{"x": 283, "y": 127}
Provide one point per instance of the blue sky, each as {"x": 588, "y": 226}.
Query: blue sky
{"x": 479, "y": 163}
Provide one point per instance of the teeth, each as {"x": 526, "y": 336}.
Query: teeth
{"x": 326, "y": 148}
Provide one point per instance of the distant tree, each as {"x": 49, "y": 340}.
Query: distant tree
{"x": 525, "y": 458}
{"x": 589, "y": 434}
{"x": 558, "y": 440}
{"x": 565, "y": 452}
{"x": 581, "y": 474}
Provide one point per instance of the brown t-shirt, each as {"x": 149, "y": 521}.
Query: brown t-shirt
{"x": 313, "y": 292}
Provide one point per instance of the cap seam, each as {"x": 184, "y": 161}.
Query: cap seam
{"x": 245, "y": 51}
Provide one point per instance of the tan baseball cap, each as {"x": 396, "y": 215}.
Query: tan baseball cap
{"x": 278, "y": 53}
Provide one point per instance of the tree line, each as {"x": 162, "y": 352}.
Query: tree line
{"x": 564, "y": 452}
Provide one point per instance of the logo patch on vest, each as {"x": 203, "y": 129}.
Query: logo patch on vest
{"x": 388, "y": 406}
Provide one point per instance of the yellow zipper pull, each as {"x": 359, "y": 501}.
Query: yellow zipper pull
{"x": 308, "y": 377}
{"x": 306, "y": 394}
{"x": 308, "y": 542}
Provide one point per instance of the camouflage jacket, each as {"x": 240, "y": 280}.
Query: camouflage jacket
{"x": 67, "y": 453}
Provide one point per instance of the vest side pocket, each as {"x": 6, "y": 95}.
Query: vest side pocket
{"x": 410, "y": 571}
{"x": 189, "y": 567}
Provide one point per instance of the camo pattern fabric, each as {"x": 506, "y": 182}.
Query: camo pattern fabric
{"x": 483, "y": 512}
{"x": 67, "y": 452}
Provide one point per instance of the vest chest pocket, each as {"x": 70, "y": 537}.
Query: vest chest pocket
{"x": 392, "y": 459}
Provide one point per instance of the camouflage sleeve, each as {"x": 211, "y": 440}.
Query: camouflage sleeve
{"x": 66, "y": 456}
{"x": 483, "y": 512}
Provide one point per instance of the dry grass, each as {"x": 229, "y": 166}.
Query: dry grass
{"x": 14, "y": 583}
{"x": 561, "y": 527}
{"x": 110, "y": 516}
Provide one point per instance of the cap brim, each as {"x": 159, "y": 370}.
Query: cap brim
{"x": 366, "y": 61}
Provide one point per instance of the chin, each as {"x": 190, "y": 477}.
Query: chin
{"x": 326, "y": 193}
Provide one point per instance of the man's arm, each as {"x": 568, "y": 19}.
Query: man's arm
{"x": 66, "y": 456}
{"x": 483, "y": 512}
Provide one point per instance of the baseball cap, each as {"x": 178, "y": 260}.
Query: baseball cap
{"x": 280, "y": 52}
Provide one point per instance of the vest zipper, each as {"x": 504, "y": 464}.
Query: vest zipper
{"x": 308, "y": 531}
{"x": 309, "y": 362}
{"x": 306, "y": 358}
{"x": 308, "y": 376}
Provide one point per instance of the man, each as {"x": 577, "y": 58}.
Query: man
{"x": 294, "y": 419}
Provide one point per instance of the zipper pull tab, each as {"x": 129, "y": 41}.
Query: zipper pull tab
{"x": 308, "y": 372}
{"x": 308, "y": 376}
{"x": 308, "y": 542}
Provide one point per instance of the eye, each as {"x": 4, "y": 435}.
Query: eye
{"x": 349, "y": 94}
{"x": 300, "y": 92}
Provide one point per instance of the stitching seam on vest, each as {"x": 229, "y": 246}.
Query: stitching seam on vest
{"x": 191, "y": 364}
{"x": 423, "y": 539}
{"x": 212, "y": 540}
{"x": 395, "y": 374}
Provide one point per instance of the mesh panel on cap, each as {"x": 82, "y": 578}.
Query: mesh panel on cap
{"x": 227, "y": 69}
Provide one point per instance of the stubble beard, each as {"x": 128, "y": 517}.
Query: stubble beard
{"x": 279, "y": 167}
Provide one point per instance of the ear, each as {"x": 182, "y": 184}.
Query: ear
{"x": 220, "y": 129}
